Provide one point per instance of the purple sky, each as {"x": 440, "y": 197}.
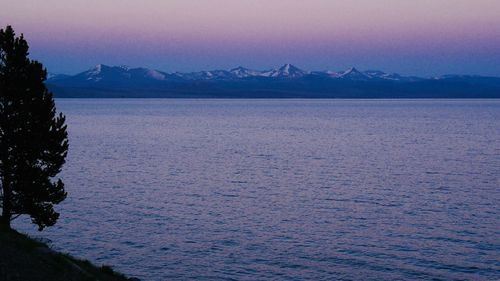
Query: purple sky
{"x": 424, "y": 37}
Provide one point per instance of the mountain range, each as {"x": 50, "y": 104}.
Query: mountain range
{"x": 287, "y": 81}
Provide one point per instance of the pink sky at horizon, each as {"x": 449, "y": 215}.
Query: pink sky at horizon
{"x": 413, "y": 37}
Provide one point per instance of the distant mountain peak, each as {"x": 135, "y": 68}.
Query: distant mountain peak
{"x": 94, "y": 73}
{"x": 55, "y": 76}
{"x": 353, "y": 74}
{"x": 351, "y": 70}
{"x": 287, "y": 68}
{"x": 155, "y": 74}
{"x": 100, "y": 67}
{"x": 286, "y": 71}
{"x": 96, "y": 69}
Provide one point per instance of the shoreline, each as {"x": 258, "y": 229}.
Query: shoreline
{"x": 24, "y": 258}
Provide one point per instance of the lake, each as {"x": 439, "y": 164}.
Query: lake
{"x": 282, "y": 189}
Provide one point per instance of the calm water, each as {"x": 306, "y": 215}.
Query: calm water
{"x": 283, "y": 189}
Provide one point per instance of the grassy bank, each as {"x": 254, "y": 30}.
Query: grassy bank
{"x": 22, "y": 259}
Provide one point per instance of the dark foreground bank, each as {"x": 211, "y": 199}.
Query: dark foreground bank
{"x": 22, "y": 258}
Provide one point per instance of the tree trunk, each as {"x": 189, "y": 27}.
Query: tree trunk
{"x": 6, "y": 205}
{"x": 5, "y": 222}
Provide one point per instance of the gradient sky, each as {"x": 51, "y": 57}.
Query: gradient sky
{"x": 418, "y": 37}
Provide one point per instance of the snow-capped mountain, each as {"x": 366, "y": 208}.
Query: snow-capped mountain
{"x": 286, "y": 71}
{"x": 148, "y": 73}
{"x": 106, "y": 73}
{"x": 203, "y": 75}
{"x": 111, "y": 74}
{"x": 101, "y": 71}
{"x": 55, "y": 77}
{"x": 286, "y": 81}
{"x": 377, "y": 74}
{"x": 353, "y": 74}
{"x": 242, "y": 72}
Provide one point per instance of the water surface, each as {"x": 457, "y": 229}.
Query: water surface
{"x": 283, "y": 189}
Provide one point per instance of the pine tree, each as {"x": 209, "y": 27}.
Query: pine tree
{"x": 33, "y": 137}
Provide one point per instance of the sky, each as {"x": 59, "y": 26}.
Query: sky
{"x": 411, "y": 37}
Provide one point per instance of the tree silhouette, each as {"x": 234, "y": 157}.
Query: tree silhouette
{"x": 33, "y": 138}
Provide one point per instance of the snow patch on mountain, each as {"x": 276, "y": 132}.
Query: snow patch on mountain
{"x": 242, "y": 72}
{"x": 155, "y": 74}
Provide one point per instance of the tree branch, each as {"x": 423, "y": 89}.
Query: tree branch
{"x": 15, "y": 217}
